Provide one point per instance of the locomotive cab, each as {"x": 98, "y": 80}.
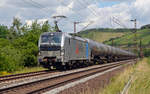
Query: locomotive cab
{"x": 50, "y": 53}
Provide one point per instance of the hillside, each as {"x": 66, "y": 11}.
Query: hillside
{"x": 128, "y": 41}
{"x": 101, "y": 35}
{"x": 122, "y": 38}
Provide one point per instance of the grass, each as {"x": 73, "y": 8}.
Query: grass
{"x": 102, "y": 36}
{"x": 24, "y": 70}
{"x": 129, "y": 38}
{"x": 127, "y": 41}
{"x": 141, "y": 80}
{"x": 140, "y": 83}
{"x": 117, "y": 83}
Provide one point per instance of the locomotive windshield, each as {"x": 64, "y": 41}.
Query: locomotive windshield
{"x": 51, "y": 38}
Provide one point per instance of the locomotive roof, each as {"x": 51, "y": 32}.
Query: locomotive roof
{"x": 46, "y": 33}
{"x": 65, "y": 34}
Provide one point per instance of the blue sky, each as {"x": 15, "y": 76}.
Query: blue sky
{"x": 108, "y": 3}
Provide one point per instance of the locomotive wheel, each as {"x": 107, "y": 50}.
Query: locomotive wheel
{"x": 50, "y": 67}
{"x": 63, "y": 68}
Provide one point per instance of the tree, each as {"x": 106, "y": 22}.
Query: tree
{"x": 46, "y": 27}
{"x": 17, "y": 23}
{"x": 3, "y": 31}
{"x": 21, "y": 49}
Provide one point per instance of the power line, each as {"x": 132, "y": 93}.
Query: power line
{"x": 32, "y": 3}
{"x": 93, "y": 9}
{"x": 78, "y": 14}
{"x": 88, "y": 8}
{"x": 115, "y": 20}
{"x": 67, "y": 6}
{"x": 97, "y": 13}
{"x": 118, "y": 22}
{"x": 87, "y": 25}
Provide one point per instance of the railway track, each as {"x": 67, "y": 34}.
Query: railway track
{"x": 23, "y": 75}
{"x": 46, "y": 84}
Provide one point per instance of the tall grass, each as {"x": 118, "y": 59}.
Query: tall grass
{"x": 24, "y": 70}
{"x": 140, "y": 83}
{"x": 141, "y": 80}
{"x": 117, "y": 83}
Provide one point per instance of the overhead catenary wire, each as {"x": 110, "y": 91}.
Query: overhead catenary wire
{"x": 87, "y": 26}
{"x": 115, "y": 19}
{"x": 92, "y": 10}
{"x": 62, "y": 3}
{"x": 71, "y": 8}
{"x": 83, "y": 4}
{"x": 78, "y": 14}
{"x": 98, "y": 14}
{"x": 37, "y": 5}
{"x": 118, "y": 22}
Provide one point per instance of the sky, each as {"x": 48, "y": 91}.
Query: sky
{"x": 90, "y": 13}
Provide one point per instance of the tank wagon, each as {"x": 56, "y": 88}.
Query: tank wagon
{"x": 63, "y": 51}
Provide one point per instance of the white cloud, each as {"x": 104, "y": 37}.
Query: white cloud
{"x": 40, "y": 21}
{"x": 2, "y": 3}
{"x": 75, "y": 10}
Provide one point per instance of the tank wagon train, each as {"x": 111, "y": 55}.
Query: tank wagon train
{"x": 64, "y": 51}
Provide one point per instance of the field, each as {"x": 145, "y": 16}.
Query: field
{"x": 102, "y": 35}
{"x": 129, "y": 39}
{"x": 129, "y": 42}
{"x": 122, "y": 39}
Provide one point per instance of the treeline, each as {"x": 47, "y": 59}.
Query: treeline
{"x": 128, "y": 41}
{"x": 146, "y": 26}
{"x": 18, "y": 44}
{"x": 104, "y": 30}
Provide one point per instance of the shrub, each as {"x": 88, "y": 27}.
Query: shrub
{"x": 10, "y": 59}
{"x": 146, "y": 52}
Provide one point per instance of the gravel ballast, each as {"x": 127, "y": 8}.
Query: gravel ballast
{"x": 88, "y": 85}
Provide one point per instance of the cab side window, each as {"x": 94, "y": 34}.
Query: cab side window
{"x": 69, "y": 41}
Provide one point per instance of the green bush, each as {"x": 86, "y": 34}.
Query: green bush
{"x": 10, "y": 59}
{"x": 146, "y": 52}
{"x": 3, "y": 31}
{"x": 30, "y": 55}
{"x": 19, "y": 45}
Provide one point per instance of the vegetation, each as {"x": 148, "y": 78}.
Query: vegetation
{"x": 31, "y": 69}
{"x": 18, "y": 45}
{"x": 101, "y": 35}
{"x": 146, "y": 26}
{"x": 128, "y": 41}
{"x": 122, "y": 38}
{"x": 140, "y": 81}
{"x": 117, "y": 83}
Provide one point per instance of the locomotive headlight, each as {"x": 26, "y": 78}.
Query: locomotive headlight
{"x": 39, "y": 53}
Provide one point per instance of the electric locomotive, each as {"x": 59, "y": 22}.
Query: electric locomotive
{"x": 61, "y": 49}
